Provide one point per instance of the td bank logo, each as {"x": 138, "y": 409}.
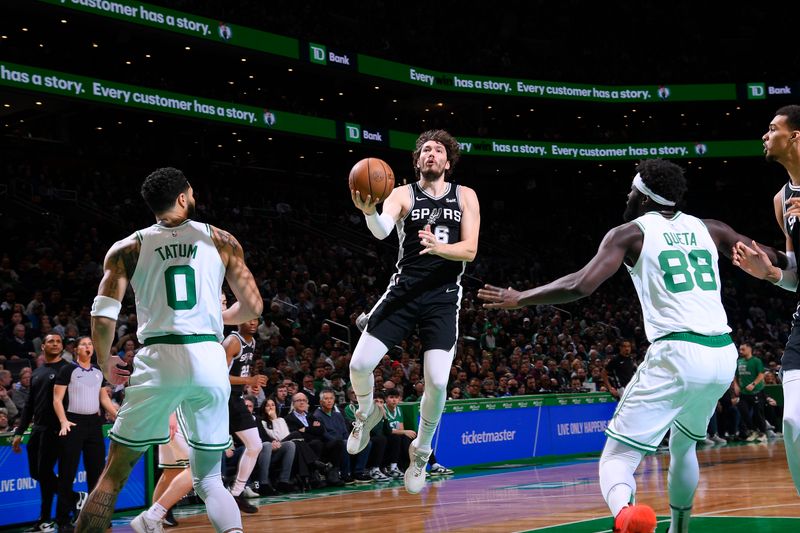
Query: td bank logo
{"x": 317, "y": 54}
{"x": 352, "y": 133}
{"x": 755, "y": 91}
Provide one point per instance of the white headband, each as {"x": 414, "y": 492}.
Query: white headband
{"x": 644, "y": 189}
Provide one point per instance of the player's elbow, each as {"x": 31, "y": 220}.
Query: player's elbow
{"x": 580, "y": 289}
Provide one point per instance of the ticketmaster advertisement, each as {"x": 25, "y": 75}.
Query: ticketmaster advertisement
{"x": 20, "y": 497}
{"x": 493, "y": 430}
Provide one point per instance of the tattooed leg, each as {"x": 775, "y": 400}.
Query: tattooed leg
{"x": 95, "y": 517}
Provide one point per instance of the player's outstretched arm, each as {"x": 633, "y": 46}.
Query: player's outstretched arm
{"x": 467, "y": 248}
{"x": 249, "y": 303}
{"x": 619, "y": 242}
{"x": 118, "y": 267}
{"x": 762, "y": 262}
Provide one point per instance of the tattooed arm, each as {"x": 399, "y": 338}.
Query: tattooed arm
{"x": 249, "y": 303}
{"x": 118, "y": 267}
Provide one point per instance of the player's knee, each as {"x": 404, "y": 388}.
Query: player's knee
{"x": 791, "y": 423}
{"x": 360, "y": 366}
{"x": 437, "y": 384}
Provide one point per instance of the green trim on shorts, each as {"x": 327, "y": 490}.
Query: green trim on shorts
{"x": 712, "y": 341}
{"x": 180, "y": 339}
{"x": 199, "y": 445}
{"x": 630, "y": 442}
{"x": 688, "y": 433}
{"x": 174, "y": 466}
{"x": 210, "y": 447}
{"x": 136, "y": 443}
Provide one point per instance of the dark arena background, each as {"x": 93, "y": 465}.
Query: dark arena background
{"x": 266, "y": 106}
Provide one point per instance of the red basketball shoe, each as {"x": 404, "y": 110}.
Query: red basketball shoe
{"x": 635, "y": 519}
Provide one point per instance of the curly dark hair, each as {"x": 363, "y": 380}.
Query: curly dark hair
{"x": 664, "y": 178}
{"x": 448, "y": 141}
{"x": 162, "y": 187}
{"x": 792, "y": 114}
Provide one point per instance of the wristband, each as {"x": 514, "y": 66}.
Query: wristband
{"x": 106, "y": 307}
{"x": 788, "y": 280}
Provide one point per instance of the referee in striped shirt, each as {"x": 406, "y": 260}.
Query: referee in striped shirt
{"x": 77, "y": 397}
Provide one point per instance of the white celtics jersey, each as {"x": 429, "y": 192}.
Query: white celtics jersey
{"x": 177, "y": 282}
{"x": 677, "y": 277}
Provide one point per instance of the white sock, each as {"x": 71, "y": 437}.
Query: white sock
{"x": 393, "y": 466}
{"x": 437, "y": 372}
{"x": 156, "y": 512}
{"x": 368, "y": 353}
{"x": 791, "y": 423}
{"x": 679, "y": 519}
{"x": 617, "y": 465}
{"x": 220, "y": 505}
{"x": 682, "y": 480}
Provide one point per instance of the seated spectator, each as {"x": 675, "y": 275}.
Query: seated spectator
{"x": 416, "y": 392}
{"x": 306, "y": 459}
{"x": 273, "y": 452}
{"x": 6, "y": 403}
{"x": 399, "y": 439}
{"x": 21, "y": 390}
{"x": 301, "y": 423}
{"x": 335, "y": 429}
{"x": 6, "y": 430}
{"x": 282, "y": 400}
{"x": 455, "y": 393}
{"x": 377, "y": 436}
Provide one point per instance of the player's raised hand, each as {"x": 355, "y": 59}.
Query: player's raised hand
{"x": 428, "y": 240}
{"x": 792, "y": 208}
{"x": 752, "y": 260}
{"x": 499, "y": 298}
{"x": 368, "y": 205}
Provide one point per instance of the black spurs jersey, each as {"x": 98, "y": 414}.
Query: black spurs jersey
{"x": 443, "y": 214}
{"x": 792, "y": 226}
{"x": 240, "y": 364}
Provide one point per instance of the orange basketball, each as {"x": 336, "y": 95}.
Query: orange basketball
{"x": 372, "y": 176}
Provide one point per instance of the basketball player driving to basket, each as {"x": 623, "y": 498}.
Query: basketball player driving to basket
{"x": 437, "y": 224}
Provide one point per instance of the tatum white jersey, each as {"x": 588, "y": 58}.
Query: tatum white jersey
{"x": 677, "y": 277}
{"x": 177, "y": 282}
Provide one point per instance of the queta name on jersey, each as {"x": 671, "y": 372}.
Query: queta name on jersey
{"x": 422, "y": 213}
{"x": 687, "y": 239}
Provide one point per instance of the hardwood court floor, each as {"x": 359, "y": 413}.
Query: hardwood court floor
{"x": 742, "y": 488}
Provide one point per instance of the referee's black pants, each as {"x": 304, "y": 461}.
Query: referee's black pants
{"x": 85, "y": 436}
{"x": 43, "y": 449}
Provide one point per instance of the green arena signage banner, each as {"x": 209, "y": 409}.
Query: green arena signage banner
{"x": 592, "y": 152}
{"x": 543, "y": 89}
{"x": 109, "y": 92}
{"x": 148, "y": 99}
{"x": 163, "y": 18}
{"x": 223, "y": 32}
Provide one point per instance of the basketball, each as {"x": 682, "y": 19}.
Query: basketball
{"x": 372, "y": 176}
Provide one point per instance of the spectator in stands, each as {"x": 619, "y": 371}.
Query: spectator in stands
{"x": 299, "y": 420}
{"x": 11, "y": 409}
{"x": 416, "y": 392}
{"x": 21, "y": 389}
{"x": 335, "y": 428}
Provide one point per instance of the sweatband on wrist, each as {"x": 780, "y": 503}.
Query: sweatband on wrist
{"x": 106, "y": 307}
{"x": 791, "y": 259}
{"x": 788, "y": 280}
{"x": 379, "y": 224}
